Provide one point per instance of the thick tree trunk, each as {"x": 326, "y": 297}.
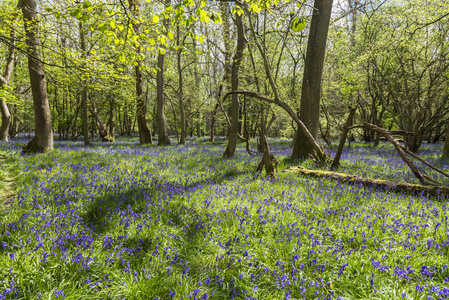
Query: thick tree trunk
{"x": 6, "y": 115}
{"x": 142, "y": 125}
{"x": 313, "y": 69}
{"x": 6, "y": 120}
{"x": 84, "y": 92}
{"x": 234, "y": 131}
{"x": 263, "y": 130}
{"x": 163, "y": 138}
{"x": 43, "y": 139}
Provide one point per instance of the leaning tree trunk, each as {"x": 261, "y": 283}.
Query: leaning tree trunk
{"x": 103, "y": 130}
{"x": 241, "y": 44}
{"x": 43, "y": 139}
{"x": 142, "y": 125}
{"x": 313, "y": 70}
{"x": 6, "y": 115}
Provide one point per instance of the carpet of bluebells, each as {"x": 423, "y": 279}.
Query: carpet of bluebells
{"x": 124, "y": 221}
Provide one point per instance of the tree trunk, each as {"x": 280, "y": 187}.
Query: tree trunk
{"x": 313, "y": 69}
{"x": 213, "y": 120}
{"x": 84, "y": 93}
{"x": 6, "y": 115}
{"x": 111, "y": 123}
{"x": 142, "y": 125}
{"x": 43, "y": 139}
{"x": 102, "y": 128}
{"x": 344, "y": 134}
{"x": 181, "y": 90}
{"x": 241, "y": 44}
{"x": 445, "y": 153}
{"x": 163, "y": 138}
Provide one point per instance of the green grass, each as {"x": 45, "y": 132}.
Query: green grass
{"x": 119, "y": 220}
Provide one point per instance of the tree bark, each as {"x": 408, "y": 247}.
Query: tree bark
{"x": 102, "y": 128}
{"x": 445, "y": 153}
{"x": 6, "y": 115}
{"x": 163, "y": 138}
{"x": 422, "y": 178}
{"x": 181, "y": 90}
{"x": 84, "y": 92}
{"x": 141, "y": 109}
{"x": 416, "y": 189}
{"x": 43, "y": 139}
{"x": 313, "y": 70}
{"x": 344, "y": 134}
{"x": 234, "y": 130}
{"x": 320, "y": 155}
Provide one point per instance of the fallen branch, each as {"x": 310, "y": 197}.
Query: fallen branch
{"x": 424, "y": 162}
{"x": 376, "y": 183}
{"x": 319, "y": 151}
{"x": 387, "y": 134}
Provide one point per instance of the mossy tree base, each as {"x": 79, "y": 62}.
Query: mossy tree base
{"x": 32, "y": 147}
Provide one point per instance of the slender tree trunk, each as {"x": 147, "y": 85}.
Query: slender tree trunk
{"x": 313, "y": 70}
{"x": 6, "y": 115}
{"x": 214, "y": 114}
{"x": 241, "y": 44}
{"x": 445, "y": 153}
{"x": 84, "y": 93}
{"x": 163, "y": 138}
{"x": 43, "y": 139}
{"x": 142, "y": 125}
{"x": 181, "y": 90}
{"x": 111, "y": 123}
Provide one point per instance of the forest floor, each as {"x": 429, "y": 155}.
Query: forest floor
{"x": 124, "y": 221}
{"x": 7, "y": 177}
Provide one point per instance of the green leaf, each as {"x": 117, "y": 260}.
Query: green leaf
{"x": 112, "y": 24}
{"x": 75, "y": 13}
{"x": 298, "y": 24}
{"x": 156, "y": 19}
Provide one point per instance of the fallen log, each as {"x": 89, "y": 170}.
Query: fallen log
{"x": 376, "y": 183}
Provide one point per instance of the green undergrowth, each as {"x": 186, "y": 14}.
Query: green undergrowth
{"x": 122, "y": 221}
{"x": 9, "y": 172}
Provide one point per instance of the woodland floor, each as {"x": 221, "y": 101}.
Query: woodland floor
{"x": 123, "y": 221}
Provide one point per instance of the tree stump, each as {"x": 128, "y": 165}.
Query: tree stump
{"x": 268, "y": 161}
